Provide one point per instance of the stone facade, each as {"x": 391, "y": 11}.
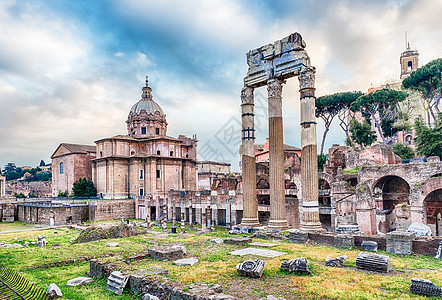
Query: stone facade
{"x": 210, "y": 171}
{"x": 2, "y": 186}
{"x": 8, "y": 212}
{"x": 69, "y": 163}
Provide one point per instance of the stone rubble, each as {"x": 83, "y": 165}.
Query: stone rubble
{"x": 79, "y": 281}
{"x": 336, "y": 262}
{"x": 251, "y": 268}
{"x": 53, "y": 292}
{"x": 298, "y": 265}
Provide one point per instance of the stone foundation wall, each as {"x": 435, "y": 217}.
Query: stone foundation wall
{"x": 111, "y": 209}
{"x": 420, "y": 245}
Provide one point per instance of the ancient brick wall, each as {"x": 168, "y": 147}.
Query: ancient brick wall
{"x": 112, "y": 209}
{"x": 62, "y": 215}
{"x": 8, "y": 212}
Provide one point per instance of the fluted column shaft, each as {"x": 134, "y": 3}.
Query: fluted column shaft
{"x": 278, "y": 219}
{"x": 309, "y": 161}
{"x": 248, "y": 164}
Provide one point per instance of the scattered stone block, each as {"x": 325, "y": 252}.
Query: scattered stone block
{"x": 348, "y": 229}
{"x": 53, "y": 292}
{"x": 373, "y": 262}
{"x": 425, "y": 287}
{"x": 258, "y": 252}
{"x": 370, "y": 246}
{"x": 266, "y": 234}
{"x": 439, "y": 251}
{"x": 420, "y": 229}
{"x": 116, "y": 282}
{"x": 336, "y": 262}
{"x": 150, "y": 297}
{"x": 26, "y": 244}
{"x": 217, "y": 241}
{"x": 237, "y": 240}
{"x": 180, "y": 247}
{"x": 344, "y": 241}
{"x": 298, "y": 265}
{"x": 399, "y": 242}
{"x": 41, "y": 241}
{"x": 166, "y": 253}
{"x": 79, "y": 281}
{"x": 258, "y": 244}
{"x": 113, "y": 244}
{"x": 298, "y": 237}
{"x": 186, "y": 262}
{"x": 251, "y": 268}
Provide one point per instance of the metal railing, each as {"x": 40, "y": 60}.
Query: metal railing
{"x": 15, "y": 286}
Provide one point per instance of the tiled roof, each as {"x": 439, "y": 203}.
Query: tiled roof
{"x": 79, "y": 148}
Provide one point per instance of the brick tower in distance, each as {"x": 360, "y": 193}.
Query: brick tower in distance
{"x": 409, "y": 61}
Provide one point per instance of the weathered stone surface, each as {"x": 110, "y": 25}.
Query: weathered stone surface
{"x": 420, "y": 229}
{"x": 425, "y": 287}
{"x": 258, "y": 252}
{"x": 336, "y": 262}
{"x": 298, "y": 237}
{"x": 370, "y": 246}
{"x": 116, "y": 282}
{"x": 251, "y": 268}
{"x": 26, "y": 244}
{"x": 150, "y": 297}
{"x": 79, "y": 281}
{"x": 217, "y": 241}
{"x": 439, "y": 251}
{"x": 399, "y": 242}
{"x": 113, "y": 244}
{"x": 344, "y": 240}
{"x": 98, "y": 233}
{"x": 53, "y": 291}
{"x": 237, "y": 240}
{"x": 180, "y": 247}
{"x": 157, "y": 271}
{"x": 373, "y": 262}
{"x": 186, "y": 262}
{"x": 298, "y": 265}
{"x": 258, "y": 244}
{"x": 41, "y": 241}
{"x": 166, "y": 253}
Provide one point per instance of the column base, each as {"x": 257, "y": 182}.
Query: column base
{"x": 278, "y": 225}
{"x": 249, "y": 222}
{"x": 311, "y": 227}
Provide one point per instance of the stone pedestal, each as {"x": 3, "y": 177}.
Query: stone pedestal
{"x": 298, "y": 237}
{"x": 400, "y": 242}
{"x": 344, "y": 240}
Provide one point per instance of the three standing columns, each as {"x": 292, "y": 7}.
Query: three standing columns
{"x": 278, "y": 219}
{"x": 309, "y": 161}
{"x": 250, "y": 204}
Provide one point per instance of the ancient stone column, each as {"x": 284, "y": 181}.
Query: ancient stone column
{"x": 190, "y": 214}
{"x": 309, "y": 161}
{"x": 278, "y": 219}
{"x": 248, "y": 164}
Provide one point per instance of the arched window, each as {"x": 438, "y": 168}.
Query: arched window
{"x": 61, "y": 168}
{"x": 410, "y": 66}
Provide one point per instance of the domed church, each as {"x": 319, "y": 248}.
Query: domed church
{"x": 145, "y": 162}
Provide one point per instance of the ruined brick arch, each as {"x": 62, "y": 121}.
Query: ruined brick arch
{"x": 326, "y": 177}
{"x": 431, "y": 202}
{"x": 395, "y": 190}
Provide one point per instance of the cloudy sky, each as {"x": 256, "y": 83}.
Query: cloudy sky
{"x": 71, "y": 70}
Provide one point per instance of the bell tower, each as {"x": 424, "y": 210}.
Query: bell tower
{"x": 409, "y": 60}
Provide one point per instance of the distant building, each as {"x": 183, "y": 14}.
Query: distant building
{"x": 209, "y": 171}
{"x": 262, "y": 152}
{"x": 69, "y": 163}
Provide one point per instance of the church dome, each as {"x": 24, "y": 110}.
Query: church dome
{"x": 146, "y": 103}
{"x": 146, "y": 118}
{"x": 150, "y": 106}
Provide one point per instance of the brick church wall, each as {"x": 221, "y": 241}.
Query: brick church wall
{"x": 112, "y": 209}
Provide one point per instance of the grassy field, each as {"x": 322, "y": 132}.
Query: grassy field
{"x": 11, "y": 226}
{"x": 216, "y": 266}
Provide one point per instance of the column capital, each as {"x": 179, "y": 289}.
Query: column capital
{"x": 247, "y": 95}
{"x": 307, "y": 78}
{"x": 274, "y": 87}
